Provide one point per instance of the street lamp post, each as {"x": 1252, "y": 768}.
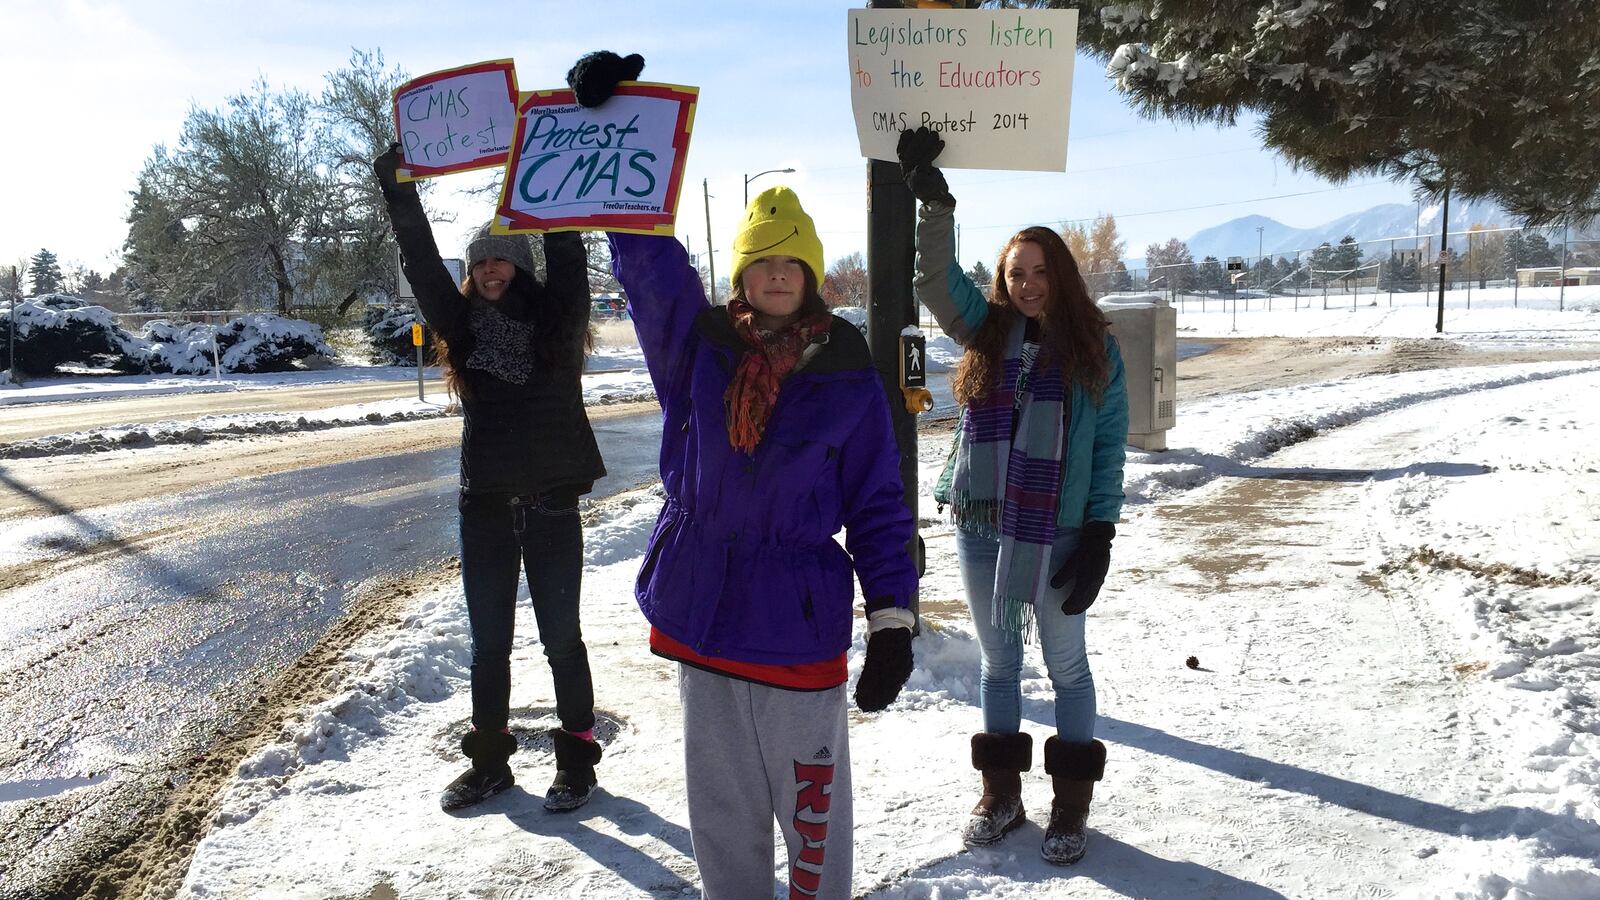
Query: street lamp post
{"x": 750, "y": 178}
{"x": 711, "y": 264}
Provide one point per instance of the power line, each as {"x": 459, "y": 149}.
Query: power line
{"x": 1158, "y": 212}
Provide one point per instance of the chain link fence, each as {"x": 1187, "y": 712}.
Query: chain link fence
{"x": 1511, "y": 267}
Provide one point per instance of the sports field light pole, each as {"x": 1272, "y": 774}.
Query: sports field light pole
{"x": 1261, "y": 279}
{"x": 750, "y": 178}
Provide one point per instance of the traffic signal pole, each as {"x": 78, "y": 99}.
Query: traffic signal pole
{"x": 891, "y": 307}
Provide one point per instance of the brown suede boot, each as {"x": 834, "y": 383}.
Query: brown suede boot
{"x": 1002, "y": 758}
{"x": 1073, "y": 769}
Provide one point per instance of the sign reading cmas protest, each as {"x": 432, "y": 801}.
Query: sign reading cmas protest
{"x": 617, "y": 167}
{"x": 996, "y": 84}
{"x": 456, "y": 120}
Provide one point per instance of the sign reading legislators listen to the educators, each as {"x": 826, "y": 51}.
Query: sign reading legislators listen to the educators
{"x": 456, "y": 120}
{"x": 997, "y": 84}
{"x": 615, "y": 167}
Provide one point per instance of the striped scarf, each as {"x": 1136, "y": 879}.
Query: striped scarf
{"x": 1008, "y": 487}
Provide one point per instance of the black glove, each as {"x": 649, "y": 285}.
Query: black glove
{"x": 1085, "y": 570}
{"x": 917, "y": 150}
{"x": 594, "y": 77}
{"x": 918, "y": 147}
{"x": 384, "y": 166}
{"x": 887, "y": 667}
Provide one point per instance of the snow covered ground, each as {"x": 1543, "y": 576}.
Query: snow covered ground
{"x": 1387, "y": 583}
{"x": 614, "y": 375}
{"x": 1496, "y": 317}
{"x": 612, "y": 360}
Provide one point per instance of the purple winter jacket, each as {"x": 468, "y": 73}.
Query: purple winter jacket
{"x": 743, "y": 563}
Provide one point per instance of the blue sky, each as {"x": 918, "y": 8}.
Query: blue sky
{"x": 97, "y": 84}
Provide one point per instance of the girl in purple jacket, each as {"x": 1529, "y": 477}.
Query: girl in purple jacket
{"x": 776, "y": 435}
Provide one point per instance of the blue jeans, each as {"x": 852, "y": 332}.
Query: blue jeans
{"x": 541, "y": 534}
{"x": 1061, "y": 636}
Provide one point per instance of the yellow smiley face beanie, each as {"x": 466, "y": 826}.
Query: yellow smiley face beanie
{"x": 775, "y": 225}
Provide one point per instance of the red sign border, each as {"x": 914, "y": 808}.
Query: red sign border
{"x": 415, "y": 172}
{"x": 638, "y": 222}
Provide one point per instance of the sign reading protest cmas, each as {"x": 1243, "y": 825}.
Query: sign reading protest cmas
{"x": 996, "y": 84}
{"x": 456, "y": 120}
{"x": 618, "y": 166}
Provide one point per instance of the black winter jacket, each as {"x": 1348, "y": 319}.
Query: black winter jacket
{"x": 523, "y": 438}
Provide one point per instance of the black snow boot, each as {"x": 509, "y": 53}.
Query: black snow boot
{"x": 490, "y": 773}
{"x": 575, "y": 779}
{"x": 1002, "y": 758}
{"x": 1073, "y": 768}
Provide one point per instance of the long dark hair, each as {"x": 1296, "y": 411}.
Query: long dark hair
{"x": 563, "y": 336}
{"x": 1072, "y": 329}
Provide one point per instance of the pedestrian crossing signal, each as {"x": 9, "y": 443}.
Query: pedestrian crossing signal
{"x": 913, "y": 361}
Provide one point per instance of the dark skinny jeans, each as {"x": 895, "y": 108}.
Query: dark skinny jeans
{"x": 543, "y": 532}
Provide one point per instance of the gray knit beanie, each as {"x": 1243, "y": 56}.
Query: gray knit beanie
{"x": 513, "y": 248}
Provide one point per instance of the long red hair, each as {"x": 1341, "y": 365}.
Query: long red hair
{"x": 1072, "y": 329}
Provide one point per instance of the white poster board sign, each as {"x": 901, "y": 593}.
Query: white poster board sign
{"x": 614, "y": 167}
{"x": 996, "y": 84}
{"x": 456, "y": 120}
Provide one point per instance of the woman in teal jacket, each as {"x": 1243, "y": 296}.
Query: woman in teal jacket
{"x": 1035, "y": 481}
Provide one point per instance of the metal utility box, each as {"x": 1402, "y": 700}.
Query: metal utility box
{"x": 1146, "y": 328}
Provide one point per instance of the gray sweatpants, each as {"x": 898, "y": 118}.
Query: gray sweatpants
{"x": 754, "y": 753}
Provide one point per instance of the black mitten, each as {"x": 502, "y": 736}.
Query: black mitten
{"x": 386, "y": 165}
{"x": 594, "y": 77}
{"x": 887, "y": 667}
{"x": 918, "y": 147}
{"x": 1085, "y": 570}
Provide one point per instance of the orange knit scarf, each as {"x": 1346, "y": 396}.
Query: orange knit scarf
{"x": 772, "y": 356}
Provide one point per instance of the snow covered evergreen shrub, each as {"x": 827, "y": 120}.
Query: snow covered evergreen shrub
{"x": 55, "y": 329}
{"x": 263, "y": 342}
{"x": 388, "y": 326}
{"x": 162, "y": 347}
{"x": 255, "y": 342}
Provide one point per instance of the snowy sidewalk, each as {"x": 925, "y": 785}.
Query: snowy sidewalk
{"x": 1396, "y": 690}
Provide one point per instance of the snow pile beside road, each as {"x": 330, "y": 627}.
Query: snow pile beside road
{"x": 598, "y": 390}
{"x": 622, "y": 386}
{"x": 422, "y": 661}
{"x": 1219, "y": 435}
{"x": 209, "y": 428}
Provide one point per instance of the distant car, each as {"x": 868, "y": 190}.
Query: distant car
{"x": 607, "y": 309}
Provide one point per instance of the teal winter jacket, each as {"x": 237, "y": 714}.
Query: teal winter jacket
{"x": 1091, "y": 489}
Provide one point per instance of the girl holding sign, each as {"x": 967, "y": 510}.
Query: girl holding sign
{"x": 1034, "y": 480}
{"x": 513, "y": 350}
{"x": 776, "y": 435}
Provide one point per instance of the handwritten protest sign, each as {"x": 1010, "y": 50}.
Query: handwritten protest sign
{"x": 456, "y": 120}
{"x": 997, "y": 84}
{"x": 618, "y": 166}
